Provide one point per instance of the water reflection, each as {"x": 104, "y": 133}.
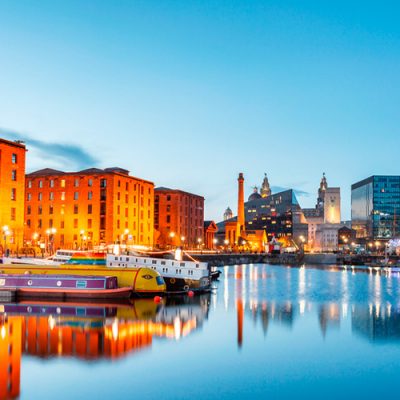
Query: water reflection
{"x": 89, "y": 331}
{"x": 281, "y": 295}
{"x": 319, "y": 317}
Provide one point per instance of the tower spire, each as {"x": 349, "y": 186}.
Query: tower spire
{"x": 265, "y": 188}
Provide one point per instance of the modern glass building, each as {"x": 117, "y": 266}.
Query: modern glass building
{"x": 375, "y": 207}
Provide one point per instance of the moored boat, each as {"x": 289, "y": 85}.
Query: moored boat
{"x": 179, "y": 275}
{"x": 64, "y": 286}
{"x": 141, "y": 281}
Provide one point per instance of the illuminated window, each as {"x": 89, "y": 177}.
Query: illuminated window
{"x": 29, "y": 184}
{"x": 51, "y": 183}
{"x": 63, "y": 196}
{"x": 51, "y": 196}
{"x": 40, "y": 196}
{"x": 62, "y": 183}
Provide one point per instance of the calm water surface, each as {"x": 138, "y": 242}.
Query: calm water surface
{"x": 265, "y": 332}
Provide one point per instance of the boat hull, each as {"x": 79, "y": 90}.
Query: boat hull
{"x": 184, "y": 285}
{"x": 141, "y": 281}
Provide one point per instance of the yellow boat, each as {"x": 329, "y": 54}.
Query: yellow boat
{"x": 143, "y": 281}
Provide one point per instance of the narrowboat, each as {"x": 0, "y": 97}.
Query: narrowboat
{"x": 64, "y": 286}
{"x": 141, "y": 281}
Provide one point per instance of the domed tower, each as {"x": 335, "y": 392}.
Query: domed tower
{"x": 255, "y": 195}
{"x": 265, "y": 188}
{"x": 228, "y": 214}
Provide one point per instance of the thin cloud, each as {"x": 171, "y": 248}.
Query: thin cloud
{"x": 70, "y": 155}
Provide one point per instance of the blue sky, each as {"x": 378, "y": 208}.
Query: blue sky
{"x": 189, "y": 93}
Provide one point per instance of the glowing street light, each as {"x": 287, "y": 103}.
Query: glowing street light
{"x": 6, "y": 232}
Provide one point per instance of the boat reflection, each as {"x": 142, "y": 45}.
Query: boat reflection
{"x": 89, "y": 331}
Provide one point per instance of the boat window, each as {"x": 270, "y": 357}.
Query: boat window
{"x": 162, "y": 262}
{"x": 116, "y": 258}
{"x": 197, "y": 265}
{"x": 182, "y": 264}
{"x": 172, "y": 263}
{"x": 154, "y": 261}
{"x": 127, "y": 258}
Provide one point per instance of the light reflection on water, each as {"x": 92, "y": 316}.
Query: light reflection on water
{"x": 263, "y": 331}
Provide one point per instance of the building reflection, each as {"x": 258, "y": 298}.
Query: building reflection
{"x": 376, "y": 322}
{"x": 89, "y": 331}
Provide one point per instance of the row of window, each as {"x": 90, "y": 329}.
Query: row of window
{"x": 89, "y": 197}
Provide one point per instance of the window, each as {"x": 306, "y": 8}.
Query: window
{"x": 28, "y": 210}
{"x": 13, "y": 194}
{"x": 39, "y": 223}
{"x": 62, "y": 225}
{"x": 13, "y": 213}
{"x": 90, "y": 195}
{"x": 51, "y": 196}
{"x": 103, "y": 183}
{"x": 75, "y": 223}
{"x": 14, "y": 175}
{"x": 75, "y": 209}
{"x": 62, "y": 183}
{"x": 29, "y": 197}
{"x": 76, "y": 195}
{"x": 126, "y": 185}
{"x": 168, "y": 219}
{"x": 51, "y": 183}
{"x": 51, "y": 209}
{"x": 29, "y": 184}
{"x": 28, "y": 223}
{"x": 76, "y": 182}
{"x": 90, "y": 182}
{"x": 50, "y": 223}
{"x": 40, "y": 184}
{"x": 14, "y": 158}
{"x": 40, "y": 210}
{"x": 89, "y": 224}
{"x": 89, "y": 209}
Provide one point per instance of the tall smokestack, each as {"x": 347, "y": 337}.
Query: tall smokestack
{"x": 240, "y": 213}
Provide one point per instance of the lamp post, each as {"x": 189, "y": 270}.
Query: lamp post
{"x": 215, "y": 241}
{"x": 171, "y": 236}
{"x": 50, "y": 239}
{"x": 6, "y": 232}
{"x": 183, "y": 241}
{"x": 82, "y": 234}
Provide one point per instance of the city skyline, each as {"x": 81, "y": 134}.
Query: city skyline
{"x": 188, "y": 95}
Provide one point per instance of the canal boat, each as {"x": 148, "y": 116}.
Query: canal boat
{"x": 64, "y": 286}
{"x": 141, "y": 281}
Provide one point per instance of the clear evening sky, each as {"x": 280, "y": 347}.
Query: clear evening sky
{"x": 189, "y": 93}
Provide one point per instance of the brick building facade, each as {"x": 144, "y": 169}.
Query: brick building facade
{"x": 88, "y": 208}
{"x": 12, "y": 189}
{"x": 178, "y": 218}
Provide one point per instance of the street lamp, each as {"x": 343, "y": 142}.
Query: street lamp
{"x": 183, "y": 241}
{"x": 6, "y": 232}
{"x": 199, "y": 242}
{"x": 50, "y": 239}
{"x": 215, "y": 241}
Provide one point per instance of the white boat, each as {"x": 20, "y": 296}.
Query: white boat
{"x": 178, "y": 275}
